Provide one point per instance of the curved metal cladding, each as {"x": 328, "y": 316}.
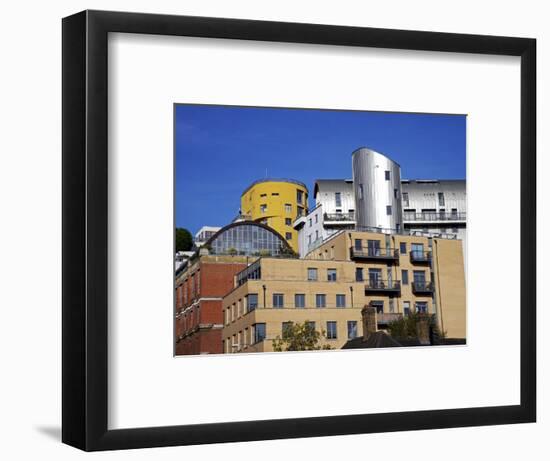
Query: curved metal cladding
{"x": 377, "y": 190}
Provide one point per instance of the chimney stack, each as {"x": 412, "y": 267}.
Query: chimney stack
{"x": 368, "y": 314}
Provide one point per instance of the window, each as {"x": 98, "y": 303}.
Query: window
{"x": 259, "y": 332}
{"x": 361, "y": 191}
{"x": 405, "y": 196}
{"x": 441, "y": 198}
{"x": 454, "y": 213}
{"x": 352, "y": 329}
{"x": 419, "y": 277}
{"x": 288, "y": 235}
{"x": 455, "y": 230}
{"x": 331, "y": 275}
{"x": 395, "y": 193}
{"x": 278, "y": 300}
{"x": 388, "y": 210}
{"x": 309, "y": 239}
{"x": 378, "y": 305}
{"x": 392, "y": 305}
{"x": 375, "y": 277}
{"x": 417, "y": 249}
{"x": 338, "y": 199}
{"x": 300, "y": 300}
{"x": 299, "y": 196}
{"x": 310, "y": 222}
{"x": 316, "y": 235}
{"x": 263, "y": 195}
{"x": 358, "y": 244}
{"x": 421, "y": 307}
{"x": 288, "y": 208}
{"x": 251, "y": 302}
{"x": 299, "y": 211}
{"x": 387, "y": 175}
{"x": 406, "y": 308}
{"x": 316, "y": 218}
{"x": 405, "y": 277}
{"x": 340, "y": 300}
{"x": 359, "y": 274}
{"x": 286, "y": 328}
{"x": 288, "y": 221}
{"x": 403, "y": 248}
{"x": 320, "y": 300}
{"x": 331, "y": 330}
{"x": 263, "y": 208}
{"x": 312, "y": 274}
{"x": 275, "y": 194}
{"x": 373, "y": 247}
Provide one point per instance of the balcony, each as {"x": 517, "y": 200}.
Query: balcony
{"x": 378, "y": 254}
{"x": 383, "y": 286}
{"x": 434, "y": 216}
{"x": 422, "y": 287}
{"x": 339, "y": 217}
{"x": 418, "y": 256}
{"x": 385, "y": 318}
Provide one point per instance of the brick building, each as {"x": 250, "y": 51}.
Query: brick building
{"x": 198, "y": 309}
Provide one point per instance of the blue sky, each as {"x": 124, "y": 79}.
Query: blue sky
{"x": 220, "y": 150}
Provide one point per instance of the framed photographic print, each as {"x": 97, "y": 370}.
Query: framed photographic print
{"x": 279, "y": 230}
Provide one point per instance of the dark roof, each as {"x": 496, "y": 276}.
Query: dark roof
{"x": 382, "y": 339}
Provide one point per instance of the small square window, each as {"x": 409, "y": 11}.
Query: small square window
{"x": 387, "y": 175}
{"x": 312, "y": 274}
{"x": 388, "y": 210}
{"x": 288, "y": 221}
{"x": 288, "y": 235}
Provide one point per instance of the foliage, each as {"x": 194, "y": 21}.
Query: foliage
{"x": 287, "y": 251}
{"x": 232, "y": 251}
{"x": 299, "y": 337}
{"x": 265, "y": 253}
{"x": 184, "y": 239}
{"x": 405, "y": 328}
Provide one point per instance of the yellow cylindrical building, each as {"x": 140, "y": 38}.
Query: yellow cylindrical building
{"x": 276, "y": 203}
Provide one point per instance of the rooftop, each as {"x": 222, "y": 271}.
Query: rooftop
{"x": 285, "y": 180}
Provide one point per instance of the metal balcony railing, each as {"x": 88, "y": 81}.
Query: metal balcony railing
{"x": 422, "y": 286}
{"x": 339, "y": 217}
{"x": 374, "y": 253}
{"x": 383, "y": 285}
{"x": 387, "y": 317}
{"x": 434, "y": 216}
{"x": 418, "y": 256}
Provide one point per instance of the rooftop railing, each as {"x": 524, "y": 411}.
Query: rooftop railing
{"x": 434, "y": 216}
{"x": 331, "y": 217}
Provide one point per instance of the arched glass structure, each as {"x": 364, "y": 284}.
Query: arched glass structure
{"x": 247, "y": 238}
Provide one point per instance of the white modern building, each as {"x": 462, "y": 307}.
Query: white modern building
{"x": 435, "y": 206}
{"x": 334, "y": 210}
{"x": 204, "y": 233}
{"x": 422, "y": 206}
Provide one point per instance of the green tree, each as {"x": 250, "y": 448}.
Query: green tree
{"x": 405, "y": 327}
{"x": 184, "y": 239}
{"x": 299, "y": 337}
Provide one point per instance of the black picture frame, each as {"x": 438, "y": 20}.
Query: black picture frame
{"x": 85, "y": 219}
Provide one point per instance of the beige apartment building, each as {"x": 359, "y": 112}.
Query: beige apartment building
{"x": 394, "y": 273}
